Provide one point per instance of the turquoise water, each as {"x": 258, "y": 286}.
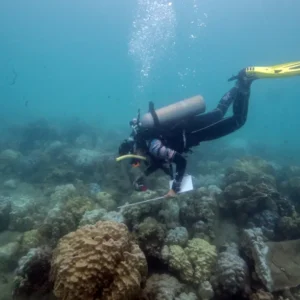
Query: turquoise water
{"x": 102, "y": 60}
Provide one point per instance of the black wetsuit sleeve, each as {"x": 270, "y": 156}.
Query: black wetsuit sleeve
{"x": 151, "y": 169}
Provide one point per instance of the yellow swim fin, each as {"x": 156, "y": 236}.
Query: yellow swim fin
{"x": 277, "y": 71}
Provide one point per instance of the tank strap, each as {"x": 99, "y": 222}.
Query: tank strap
{"x": 153, "y": 114}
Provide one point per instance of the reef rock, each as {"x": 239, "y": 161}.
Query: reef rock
{"x": 277, "y": 264}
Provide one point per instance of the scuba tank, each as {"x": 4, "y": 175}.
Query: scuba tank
{"x": 171, "y": 116}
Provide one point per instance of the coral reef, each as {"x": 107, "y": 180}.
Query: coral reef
{"x": 177, "y": 236}
{"x": 106, "y": 201}
{"x": 199, "y": 211}
{"x": 9, "y": 250}
{"x": 267, "y": 220}
{"x": 61, "y": 192}
{"x": 206, "y": 291}
{"x": 133, "y": 215}
{"x": 32, "y": 274}
{"x": 86, "y": 158}
{"x": 5, "y": 209}
{"x": 30, "y": 239}
{"x": 150, "y": 236}
{"x": 93, "y": 216}
{"x": 98, "y": 262}
{"x": 161, "y": 287}
{"x": 277, "y": 264}
{"x": 289, "y": 227}
{"x": 235, "y": 236}
{"x": 231, "y": 273}
{"x": 194, "y": 263}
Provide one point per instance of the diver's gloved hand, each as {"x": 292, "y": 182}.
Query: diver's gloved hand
{"x": 139, "y": 184}
{"x": 176, "y": 186}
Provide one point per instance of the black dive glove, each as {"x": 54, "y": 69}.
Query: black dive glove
{"x": 176, "y": 186}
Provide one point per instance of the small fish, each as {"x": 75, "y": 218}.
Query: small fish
{"x": 26, "y": 103}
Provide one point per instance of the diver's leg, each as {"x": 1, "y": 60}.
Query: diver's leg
{"x": 214, "y": 125}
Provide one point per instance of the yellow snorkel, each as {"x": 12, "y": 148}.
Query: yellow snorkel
{"x": 127, "y": 156}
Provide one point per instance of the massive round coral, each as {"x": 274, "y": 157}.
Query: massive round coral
{"x": 98, "y": 261}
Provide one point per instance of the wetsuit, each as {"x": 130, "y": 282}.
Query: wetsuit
{"x": 162, "y": 158}
{"x": 204, "y": 127}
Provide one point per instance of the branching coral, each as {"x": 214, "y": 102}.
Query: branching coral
{"x": 98, "y": 262}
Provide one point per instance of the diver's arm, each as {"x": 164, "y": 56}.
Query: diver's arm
{"x": 151, "y": 169}
{"x": 158, "y": 150}
{"x": 180, "y": 163}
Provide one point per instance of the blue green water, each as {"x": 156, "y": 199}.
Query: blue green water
{"x": 102, "y": 60}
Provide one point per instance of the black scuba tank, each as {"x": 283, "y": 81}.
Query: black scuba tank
{"x": 170, "y": 116}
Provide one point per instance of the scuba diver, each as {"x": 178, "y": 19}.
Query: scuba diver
{"x": 164, "y": 135}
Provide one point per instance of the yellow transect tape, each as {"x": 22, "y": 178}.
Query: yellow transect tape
{"x": 130, "y": 156}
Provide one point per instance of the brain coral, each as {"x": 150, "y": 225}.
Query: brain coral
{"x": 98, "y": 261}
